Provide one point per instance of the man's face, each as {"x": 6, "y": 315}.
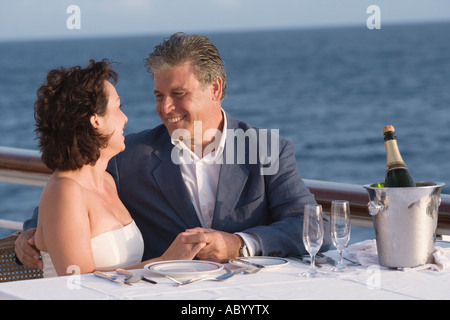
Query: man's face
{"x": 181, "y": 100}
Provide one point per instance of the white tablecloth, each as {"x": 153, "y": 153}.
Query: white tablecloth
{"x": 269, "y": 284}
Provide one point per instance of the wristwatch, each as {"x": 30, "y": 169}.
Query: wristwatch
{"x": 243, "y": 251}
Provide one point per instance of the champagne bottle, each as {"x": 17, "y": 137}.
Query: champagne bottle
{"x": 397, "y": 174}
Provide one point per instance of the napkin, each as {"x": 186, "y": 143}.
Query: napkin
{"x": 441, "y": 262}
{"x": 365, "y": 252}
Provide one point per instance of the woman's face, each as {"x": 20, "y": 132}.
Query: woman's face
{"x": 113, "y": 121}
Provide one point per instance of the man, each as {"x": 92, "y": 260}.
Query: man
{"x": 196, "y": 172}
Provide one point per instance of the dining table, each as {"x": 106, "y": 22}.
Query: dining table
{"x": 282, "y": 281}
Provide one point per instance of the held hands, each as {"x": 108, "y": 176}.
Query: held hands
{"x": 179, "y": 250}
{"x": 218, "y": 246}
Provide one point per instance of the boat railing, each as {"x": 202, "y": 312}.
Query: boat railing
{"x": 24, "y": 166}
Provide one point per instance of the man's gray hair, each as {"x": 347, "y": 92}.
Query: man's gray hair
{"x": 198, "y": 50}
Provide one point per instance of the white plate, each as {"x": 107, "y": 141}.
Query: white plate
{"x": 267, "y": 262}
{"x": 184, "y": 268}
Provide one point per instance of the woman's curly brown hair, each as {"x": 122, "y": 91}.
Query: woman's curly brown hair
{"x": 64, "y": 106}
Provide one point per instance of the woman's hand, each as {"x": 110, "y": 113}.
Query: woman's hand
{"x": 179, "y": 250}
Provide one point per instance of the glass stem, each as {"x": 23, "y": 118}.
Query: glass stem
{"x": 341, "y": 263}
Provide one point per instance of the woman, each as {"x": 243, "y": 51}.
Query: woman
{"x": 82, "y": 222}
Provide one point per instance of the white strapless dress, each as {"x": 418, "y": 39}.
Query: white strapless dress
{"x": 112, "y": 249}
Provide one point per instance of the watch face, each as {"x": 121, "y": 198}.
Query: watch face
{"x": 243, "y": 252}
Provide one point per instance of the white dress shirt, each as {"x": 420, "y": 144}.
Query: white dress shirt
{"x": 201, "y": 176}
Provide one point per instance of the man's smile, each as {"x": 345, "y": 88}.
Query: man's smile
{"x": 176, "y": 119}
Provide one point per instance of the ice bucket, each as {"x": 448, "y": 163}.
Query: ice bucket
{"x": 405, "y": 221}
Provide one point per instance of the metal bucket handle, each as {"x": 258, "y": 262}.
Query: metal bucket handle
{"x": 376, "y": 207}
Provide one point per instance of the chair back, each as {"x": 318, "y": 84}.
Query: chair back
{"x": 9, "y": 269}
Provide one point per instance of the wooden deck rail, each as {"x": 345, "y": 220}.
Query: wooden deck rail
{"x": 24, "y": 166}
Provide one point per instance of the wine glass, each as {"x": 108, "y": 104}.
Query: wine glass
{"x": 340, "y": 230}
{"x": 312, "y": 235}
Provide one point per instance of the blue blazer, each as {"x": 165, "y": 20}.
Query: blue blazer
{"x": 268, "y": 206}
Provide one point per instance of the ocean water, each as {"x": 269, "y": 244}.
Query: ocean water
{"x": 330, "y": 91}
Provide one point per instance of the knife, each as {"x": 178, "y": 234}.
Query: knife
{"x": 303, "y": 260}
{"x": 329, "y": 260}
{"x": 247, "y": 263}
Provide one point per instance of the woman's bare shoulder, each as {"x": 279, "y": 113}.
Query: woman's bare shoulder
{"x": 62, "y": 191}
{"x": 63, "y": 185}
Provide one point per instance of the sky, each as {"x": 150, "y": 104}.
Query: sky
{"x": 38, "y": 19}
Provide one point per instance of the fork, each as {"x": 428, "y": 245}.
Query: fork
{"x": 183, "y": 283}
{"x": 134, "y": 276}
{"x": 127, "y": 280}
{"x": 222, "y": 277}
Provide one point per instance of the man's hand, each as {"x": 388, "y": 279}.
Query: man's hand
{"x": 220, "y": 246}
{"x": 26, "y": 251}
